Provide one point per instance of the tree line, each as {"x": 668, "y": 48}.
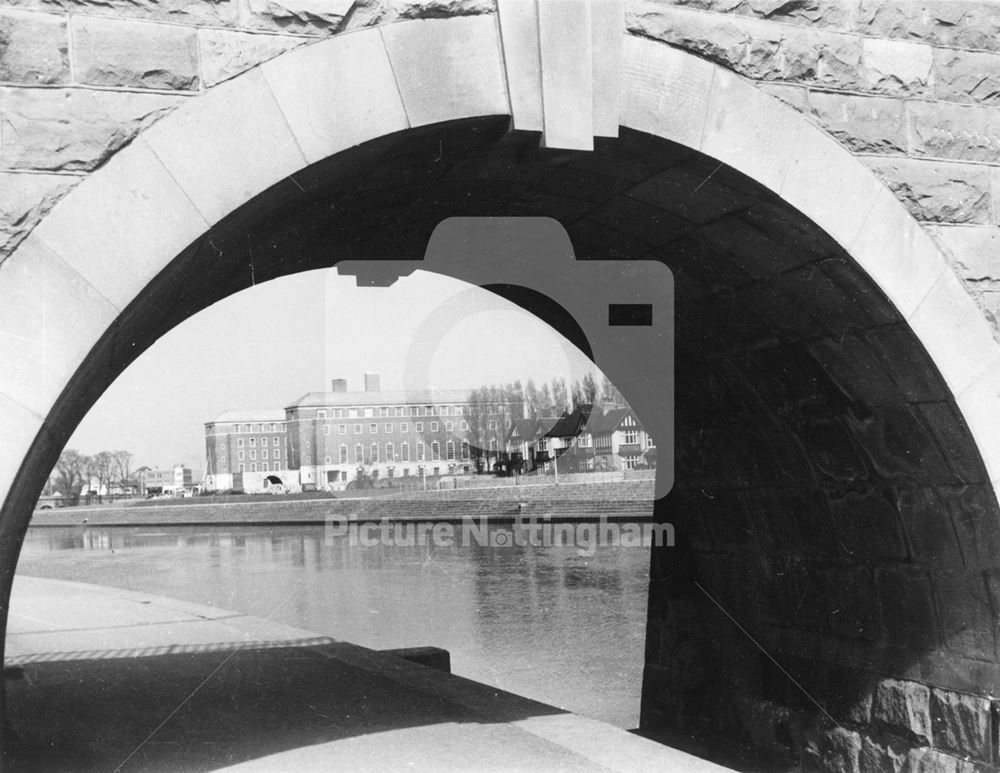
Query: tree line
{"x": 75, "y": 471}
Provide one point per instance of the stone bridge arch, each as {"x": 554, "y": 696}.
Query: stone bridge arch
{"x": 877, "y": 383}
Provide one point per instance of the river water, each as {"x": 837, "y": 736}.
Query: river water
{"x": 549, "y": 622}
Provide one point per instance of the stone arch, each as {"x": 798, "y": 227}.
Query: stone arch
{"x": 136, "y": 226}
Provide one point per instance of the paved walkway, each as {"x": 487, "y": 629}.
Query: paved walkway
{"x": 114, "y": 680}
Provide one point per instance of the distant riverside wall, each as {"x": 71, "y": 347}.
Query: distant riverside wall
{"x": 631, "y": 500}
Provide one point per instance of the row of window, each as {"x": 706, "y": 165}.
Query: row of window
{"x": 390, "y": 410}
{"x": 275, "y": 441}
{"x": 404, "y": 427}
{"x": 371, "y": 455}
{"x": 246, "y": 429}
{"x": 276, "y": 454}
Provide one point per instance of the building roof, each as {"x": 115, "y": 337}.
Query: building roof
{"x": 259, "y": 414}
{"x": 384, "y": 397}
{"x": 600, "y": 423}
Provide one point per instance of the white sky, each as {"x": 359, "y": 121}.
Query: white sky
{"x": 267, "y": 346}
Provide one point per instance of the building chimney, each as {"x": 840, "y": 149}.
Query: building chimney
{"x": 338, "y": 385}
{"x": 371, "y": 382}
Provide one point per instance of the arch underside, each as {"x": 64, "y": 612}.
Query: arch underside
{"x": 828, "y": 494}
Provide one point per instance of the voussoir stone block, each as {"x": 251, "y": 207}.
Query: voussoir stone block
{"x": 224, "y": 54}
{"x": 317, "y": 91}
{"x": 72, "y": 129}
{"x": 135, "y": 54}
{"x": 863, "y": 124}
{"x": 20, "y": 427}
{"x": 447, "y": 68}
{"x": 903, "y": 706}
{"x": 33, "y": 48}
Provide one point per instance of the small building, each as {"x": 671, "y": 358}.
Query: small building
{"x": 175, "y": 481}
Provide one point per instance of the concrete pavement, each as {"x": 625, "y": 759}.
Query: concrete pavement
{"x": 116, "y": 680}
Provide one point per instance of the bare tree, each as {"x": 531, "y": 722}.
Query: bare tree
{"x": 102, "y": 469}
{"x": 71, "y": 473}
{"x": 121, "y": 468}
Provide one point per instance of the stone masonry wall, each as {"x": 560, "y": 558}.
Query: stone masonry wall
{"x": 912, "y": 87}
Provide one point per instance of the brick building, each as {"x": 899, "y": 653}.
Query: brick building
{"x": 325, "y": 440}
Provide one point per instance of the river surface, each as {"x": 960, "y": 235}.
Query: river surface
{"x": 545, "y": 622}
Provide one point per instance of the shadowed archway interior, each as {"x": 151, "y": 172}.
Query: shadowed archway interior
{"x": 829, "y": 500}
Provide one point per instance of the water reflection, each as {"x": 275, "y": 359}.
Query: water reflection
{"x": 544, "y": 622}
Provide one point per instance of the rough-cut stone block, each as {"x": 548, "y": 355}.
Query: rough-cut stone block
{"x": 50, "y": 318}
{"x": 123, "y": 226}
{"x": 109, "y": 52}
{"x": 869, "y": 526}
{"x": 903, "y": 707}
{"x": 317, "y": 91}
{"x": 302, "y": 16}
{"x": 895, "y": 68}
{"x": 837, "y": 750}
{"x": 33, "y": 48}
{"x": 933, "y": 761}
{"x": 928, "y": 527}
{"x": 863, "y": 124}
{"x": 24, "y": 200}
{"x": 226, "y": 53}
{"x": 966, "y": 76}
{"x": 72, "y": 129}
{"x": 244, "y": 153}
{"x": 832, "y": 14}
{"x": 967, "y": 620}
{"x": 975, "y": 251}
{"x": 942, "y": 130}
{"x": 883, "y": 754}
{"x": 369, "y": 13}
{"x": 954, "y": 23}
{"x": 939, "y": 191}
{"x": 189, "y": 12}
{"x": 907, "y": 605}
{"x": 665, "y": 92}
{"x": 447, "y": 68}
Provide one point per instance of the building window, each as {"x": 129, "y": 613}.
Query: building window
{"x": 404, "y": 452}
{"x": 631, "y": 437}
{"x": 326, "y": 429}
{"x": 258, "y": 427}
{"x": 320, "y": 414}
{"x": 445, "y": 410}
{"x": 359, "y": 454}
{"x": 274, "y": 441}
{"x": 419, "y": 426}
{"x": 373, "y": 428}
{"x": 308, "y": 459}
{"x": 374, "y": 450}
{"x": 242, "y": 466}
{"x": 240, "y": 456}
{"x": 263, "y": 454}
{"x": 449, "y": 450}
{"x": 491, "y": 424}
{"x": 274, "y": 427}
{"x": 404, "y": 426}
{"x": 542, "y": 444}
{"x": 650, "y": 443}
{"x": 253, "y": 442}
{"x": 585, "y": 440}
{"x": 343, "y": 454}
{"x": 389, "y": 451}
{"x": 464, "y": 425}
{"x": 239, "y": 442}
{"x": 388, "y": 427}
{"x": 352, "y": 413}
{"x": 415, "y": 410}
{"x": 253, "y": 468}
{"x": 369, "y": 412}
{"x": 420, "y": 452}
{"x": 449, "y": 426}
{"x": 406, "y": 472}
{"x": 435, "y": 451}
{"x": 357, "y": 429}
{"x": 493, "y": 444}
{"x": 341, "y": 429}
{"x": 465, "y": 450}
{"x": 327, "y": 460}
{"x": 458, "y": 410}
{"x": 253, "y": 454}
{"x": 276, "y": 454}
{"x": 434, "y": 426}
{"x": 384, "y": 411}
{"x": 631, "y": 461}
{"x": 338, "y": 413}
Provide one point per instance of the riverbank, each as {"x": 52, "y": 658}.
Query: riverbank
{"x": 619, "y": 501}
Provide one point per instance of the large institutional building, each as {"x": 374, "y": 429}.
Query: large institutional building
{"x": 327, "y": 439}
